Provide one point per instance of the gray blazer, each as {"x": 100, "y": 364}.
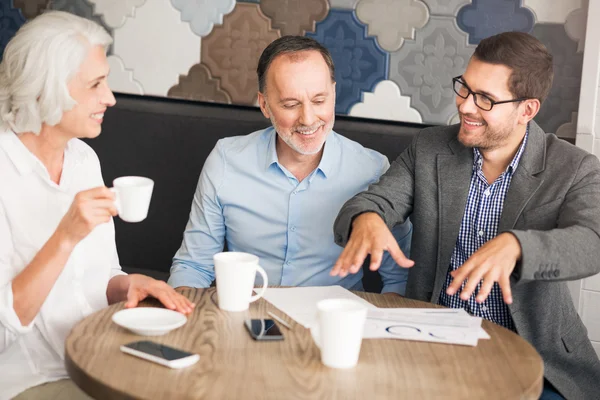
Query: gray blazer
{"x": 552, "y": 207}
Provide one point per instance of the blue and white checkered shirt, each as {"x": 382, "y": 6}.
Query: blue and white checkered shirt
{"x": 480, "y": 224}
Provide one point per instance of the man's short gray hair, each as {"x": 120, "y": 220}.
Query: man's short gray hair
{"x": 38, "y": 63}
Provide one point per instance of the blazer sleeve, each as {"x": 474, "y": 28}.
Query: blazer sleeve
{"x": 391, "y": 197}
{"x": 570, "y": 251}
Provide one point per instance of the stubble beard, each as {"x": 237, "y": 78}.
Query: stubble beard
{"x": 489, "y": 139}
{"x": 288, "y": 137}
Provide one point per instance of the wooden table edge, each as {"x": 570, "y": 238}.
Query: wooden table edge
{"x": 99, "y": 390}
{"x": 91, "y": 386}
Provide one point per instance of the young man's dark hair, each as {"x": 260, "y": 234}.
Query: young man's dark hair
{"x": 526, "y": 56}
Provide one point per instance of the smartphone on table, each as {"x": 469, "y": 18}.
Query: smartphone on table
{"x": 160, "y": 354}
{"x": 263, "y": 329}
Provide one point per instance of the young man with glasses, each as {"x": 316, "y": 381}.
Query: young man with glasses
{"x": 503, "y": 213}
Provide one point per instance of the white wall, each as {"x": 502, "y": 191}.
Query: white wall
{"x": 586, "y": 293}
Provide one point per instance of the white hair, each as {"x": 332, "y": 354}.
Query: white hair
{"x": 38, "y": 63}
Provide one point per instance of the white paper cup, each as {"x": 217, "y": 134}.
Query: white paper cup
{"x": 339, "y": 331}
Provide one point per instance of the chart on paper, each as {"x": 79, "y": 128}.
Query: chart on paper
{"x": 453, "y": 326}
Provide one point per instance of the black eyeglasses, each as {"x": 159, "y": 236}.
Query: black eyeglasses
{"x": 480, "y": 100}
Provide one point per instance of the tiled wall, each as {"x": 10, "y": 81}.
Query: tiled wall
{"x": 586, "y": 293}
{"x": 394, "y": 58}
{"x": 590, "y": 289}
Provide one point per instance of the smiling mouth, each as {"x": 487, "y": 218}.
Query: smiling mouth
{"x": 473, "y": 123}
{"x": 308, "y": 132}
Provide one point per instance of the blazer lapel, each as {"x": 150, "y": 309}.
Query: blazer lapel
{"x": 524, "y": 183}
{"x": 454, "y": 180}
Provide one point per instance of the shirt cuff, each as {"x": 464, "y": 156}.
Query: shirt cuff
{"x": 399, "y": 288}
{"x": 8, "y": 316}
{"x": 184, "y": 276}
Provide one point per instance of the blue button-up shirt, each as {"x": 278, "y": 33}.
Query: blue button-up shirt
{"x": 480, "y": 224}
{"x": 248, "y": 199}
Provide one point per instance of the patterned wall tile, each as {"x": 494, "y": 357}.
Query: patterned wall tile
{"x": 445, "y": 7}
{"x": 359, "y": 61}
{"x": 343, "y": 4}
{"x": 568, "y": 130}
{"x": 295, "y": 17}
{"x": 11, "y": 20}
{"x": 484, "y": 18}
{"x": 203, "y": 15}
{"x": 83, "y": 8}
{"x": 392, "y": 21}
{"x": 555, "y": 13}
{"x": 386, "y": 102}
{"x": 120, "y": 79}
{"x": 157, "y": 46}
{"x": 31, "y": 8}
{"x": 231, "y": 51}
{"x": 115, "y": 12}
{"x": 576, "y": 25}
{"x": 157, "y": 53}
{"x": 199, "y": 85}
{"x": 424, "y": 68}
{"x": 564, "y": 96}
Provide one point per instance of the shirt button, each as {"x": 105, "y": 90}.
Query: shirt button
{"x": 295, "y": 192}
{"x": 293, "y": 229}
{"x": 481, "y": 233}
{"x": 487, "y": 192}
{"x": 483, "y": 308}
{"x": 287, "y": 263}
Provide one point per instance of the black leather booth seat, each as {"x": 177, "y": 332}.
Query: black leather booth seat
{"x": 168, "y": 140}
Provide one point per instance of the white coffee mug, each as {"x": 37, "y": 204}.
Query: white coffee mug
{"x": 132, "y": 197}
{"x": 236, "y": 273}
{"x": 339, "y": 331}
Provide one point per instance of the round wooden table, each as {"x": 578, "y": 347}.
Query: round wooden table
{"x": 234, "y": 366}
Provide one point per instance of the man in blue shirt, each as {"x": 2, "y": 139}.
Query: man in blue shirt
{"x": 276, "y": 192}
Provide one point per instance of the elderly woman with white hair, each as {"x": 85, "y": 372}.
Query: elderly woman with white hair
{"x": 58, "y": 260}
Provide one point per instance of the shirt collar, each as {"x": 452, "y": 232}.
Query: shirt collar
{"x": 478, "y": 158}
{"x": 26, "y": 162}
{"x": 20, "y": 156}
{"x": 327, "y": 163}
{"x": 271, "y": 137}
{"x": 330, "y": 151}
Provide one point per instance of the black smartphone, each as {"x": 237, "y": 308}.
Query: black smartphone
{"x": 160, "y": 354}
{"x": 263, "y": 329}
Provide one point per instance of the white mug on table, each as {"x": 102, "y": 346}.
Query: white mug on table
{"x": 132, "y": 197}
{"x": 339, "y": 331}
{"x": 236, "y": 273}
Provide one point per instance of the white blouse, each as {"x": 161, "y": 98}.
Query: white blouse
{"x": 31, "y": 207}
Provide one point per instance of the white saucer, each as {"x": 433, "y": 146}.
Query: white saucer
{"x": 149, "y": 321}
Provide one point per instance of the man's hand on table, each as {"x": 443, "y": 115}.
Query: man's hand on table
{"x": 370, "y": 235}
{"x": 141, "y": 286}
{"x": 493, "y": 262}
